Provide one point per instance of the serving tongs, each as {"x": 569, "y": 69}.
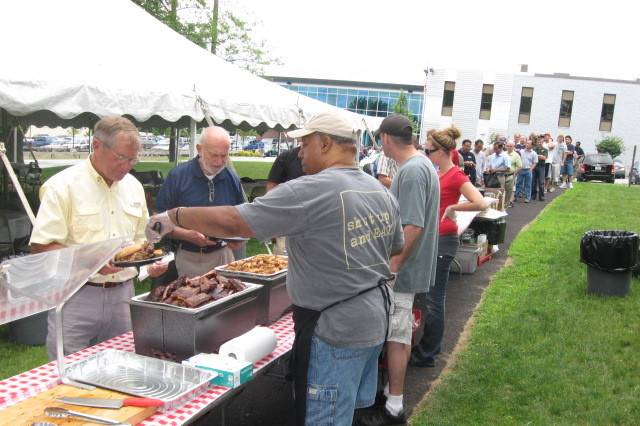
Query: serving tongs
{"x": 63, "y": 413}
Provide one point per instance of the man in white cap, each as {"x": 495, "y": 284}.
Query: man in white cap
{"x": 342, "y": 226}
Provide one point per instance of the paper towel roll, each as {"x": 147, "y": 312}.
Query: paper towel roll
{"x": 251, "y": 346}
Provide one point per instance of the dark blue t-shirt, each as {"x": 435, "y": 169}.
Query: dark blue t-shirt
{"x": 187, "y": 186}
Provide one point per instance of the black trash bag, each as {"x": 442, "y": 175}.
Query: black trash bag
{"x": 610, "y": 251}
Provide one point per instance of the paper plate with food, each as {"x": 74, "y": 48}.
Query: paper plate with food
{"x": 138, "y": 255}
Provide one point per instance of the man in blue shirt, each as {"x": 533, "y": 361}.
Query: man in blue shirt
{"x": 201, "y": 182}
{"x": 499, "y": 165}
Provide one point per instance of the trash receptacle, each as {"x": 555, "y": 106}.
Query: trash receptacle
{"x": 495, "y": 230}
{"x": 30, "y": 331}
{"x": 610, "y": 257}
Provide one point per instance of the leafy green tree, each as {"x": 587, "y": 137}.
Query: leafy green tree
{"x": 402, "y": 107}
{"x": 612, "y": 144}
{"x": 225, "y": 34}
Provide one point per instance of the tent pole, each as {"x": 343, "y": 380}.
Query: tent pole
{"x": 193, "y": 132}
{"x": 15, "y": 144}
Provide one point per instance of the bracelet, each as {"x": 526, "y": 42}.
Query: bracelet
{"x": 178, "y": 216}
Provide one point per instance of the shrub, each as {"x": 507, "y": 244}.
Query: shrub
{"x": 246, "y": 154}
{"x": 611, "y": 144}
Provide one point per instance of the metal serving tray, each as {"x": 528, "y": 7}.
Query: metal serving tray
{"x": 250, "y": 275}
{"x": 176, "y": 333}
{"x": 133, "y": 374}
{"x": 142, "y": 298}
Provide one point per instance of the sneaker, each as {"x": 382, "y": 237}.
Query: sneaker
{"x": 563, "y": 186}
{"x": 570, "y": 185}
{"x": 379, "y": 416}
{"x": 510, "y": 205}
{"x": 541, "y": 198}
{"x": 526, "y": 201}
{"x": 551, "y": 189}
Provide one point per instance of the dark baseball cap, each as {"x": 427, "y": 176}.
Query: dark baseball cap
{"x": 395, "y": 125}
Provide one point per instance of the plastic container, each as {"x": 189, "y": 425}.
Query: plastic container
{"x": 466, "y": 259}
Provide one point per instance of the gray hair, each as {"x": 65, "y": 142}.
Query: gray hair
{"x": 107, "y": 128}
{"x": 340, "y": 140}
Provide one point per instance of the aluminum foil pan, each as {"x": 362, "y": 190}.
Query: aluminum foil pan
{"x": 251, "y": 275}
{"x": 138, "y": 375}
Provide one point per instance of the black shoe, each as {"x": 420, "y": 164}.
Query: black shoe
{"x": 379, "y": 416}
{"x": 541, "y": 198}
{"x": 381, "y": 399}
{"x": 416, "y": 361}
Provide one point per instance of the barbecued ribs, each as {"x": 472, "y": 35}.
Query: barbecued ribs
{"x": 194, "y": 292}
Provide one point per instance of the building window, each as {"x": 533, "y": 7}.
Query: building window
{"x": 485, "y": 101}
{"x": 526, "y": 99}
{"x": 447, "y": 98}
{"x": 566, "y": 107}
{"x": 606, "y": 116}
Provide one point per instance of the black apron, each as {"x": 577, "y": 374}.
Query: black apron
{"x": 304, "y": 324}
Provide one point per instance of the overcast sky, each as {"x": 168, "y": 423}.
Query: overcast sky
{"x": 393, "y": 41}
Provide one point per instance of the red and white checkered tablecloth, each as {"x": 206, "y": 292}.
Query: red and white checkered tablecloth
{"x": 45, "y": 377}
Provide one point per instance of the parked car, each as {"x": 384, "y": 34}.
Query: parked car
{"x": 618, "y": 168}
{"x": 40, "y": 141}
{"x": 597, "y": 167}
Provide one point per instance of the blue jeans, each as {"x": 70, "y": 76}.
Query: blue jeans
{"x": 523, "y": 184}
{"x": 339, "y": 380}
{"x": 431, "y": 342}
{"x": 539, "y": 176}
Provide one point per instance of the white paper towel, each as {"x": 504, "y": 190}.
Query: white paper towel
{"x": 251, "y": 346}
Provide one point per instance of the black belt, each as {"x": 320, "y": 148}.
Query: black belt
{"x": 108, "y": 284}
{"x": 304, "y": 325}
{"x": 206, "y": 249}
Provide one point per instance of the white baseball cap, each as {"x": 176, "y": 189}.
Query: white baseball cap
{"x": 332, "y": 123}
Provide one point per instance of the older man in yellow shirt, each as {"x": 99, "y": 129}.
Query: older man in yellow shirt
{"x": 93, "y": 201}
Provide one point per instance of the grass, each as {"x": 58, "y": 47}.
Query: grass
{"x": 541, "y": 350}
{"x": 251, "y": 169}
{"x": 17, "y": 358}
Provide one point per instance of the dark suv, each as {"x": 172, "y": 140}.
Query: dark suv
{"x": 597, "y": 167}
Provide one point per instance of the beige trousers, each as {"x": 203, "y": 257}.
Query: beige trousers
{"x": 194, "y": 264}
{"x": 91, "y": 316}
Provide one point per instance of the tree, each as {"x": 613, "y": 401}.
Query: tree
{"x": 402, "y": 107}
{"x": 225, "y": 34}
{"x": 612, "y": 144}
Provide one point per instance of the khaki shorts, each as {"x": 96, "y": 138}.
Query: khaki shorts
{"x": 401, "y": 319}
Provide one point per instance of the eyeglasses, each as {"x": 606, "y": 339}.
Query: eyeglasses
{"x": 212, "y": 191}
{"x": 122, "y": 158}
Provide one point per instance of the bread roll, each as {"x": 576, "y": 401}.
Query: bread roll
{"x": 128, "y": 251}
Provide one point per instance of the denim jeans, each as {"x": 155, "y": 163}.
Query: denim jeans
{"x": 538, "y": 182}
{"x": 523, "y": 184}
{"x": 431, "y": 342}
{"x": 339, "y": 381}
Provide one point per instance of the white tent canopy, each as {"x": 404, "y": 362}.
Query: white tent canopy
{"x": 69, "y": 62}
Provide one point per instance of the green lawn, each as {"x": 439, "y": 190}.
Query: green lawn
{"x": 252, "y": 169}
{"x": 17, "y": 358}
{"x": 541, "y": 350}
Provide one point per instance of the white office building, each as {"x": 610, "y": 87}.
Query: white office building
{"x": 483, "y": 103}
